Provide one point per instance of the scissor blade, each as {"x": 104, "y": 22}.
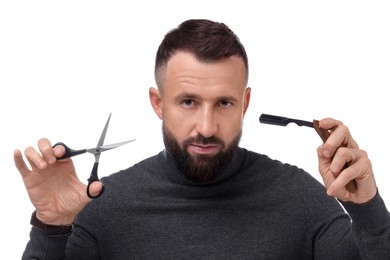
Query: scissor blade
{"x": 107, "y": 147}
{"x": 282, "y": 121}
{"x": 103, "y": 135}
{"x": 112, "y": 146}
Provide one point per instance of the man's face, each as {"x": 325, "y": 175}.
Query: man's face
{"x": 200, "y": 167}
{"x": 202, "y": 106}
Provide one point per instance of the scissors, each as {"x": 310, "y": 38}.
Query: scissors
{"x": 96, "y": 151}
{"x": 323, "y": 133}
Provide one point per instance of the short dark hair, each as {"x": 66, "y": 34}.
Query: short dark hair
{"x": 207, "y": 40}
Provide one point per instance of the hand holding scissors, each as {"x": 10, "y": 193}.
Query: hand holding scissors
{"x": 96, "y": 151}
{"x": 52, "y": 183}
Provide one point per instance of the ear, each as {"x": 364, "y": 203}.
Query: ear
{"x": 155, "y": 101}
{"x": 247, "y": 98}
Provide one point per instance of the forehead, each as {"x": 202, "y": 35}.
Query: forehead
{"x": 185, "y": 72}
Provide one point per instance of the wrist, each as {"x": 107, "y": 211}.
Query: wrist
{"x": 50, "y": 229}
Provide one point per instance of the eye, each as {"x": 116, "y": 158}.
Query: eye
{"x": 225, "y": 103}
{"x": 188, "y": 103}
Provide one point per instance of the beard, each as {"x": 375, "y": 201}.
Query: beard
{"x": 200, "y": 167}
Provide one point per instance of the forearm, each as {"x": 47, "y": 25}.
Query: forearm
{"x": 371, "y": 228}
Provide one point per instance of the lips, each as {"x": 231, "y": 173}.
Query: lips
{"x": 203, "y": 148}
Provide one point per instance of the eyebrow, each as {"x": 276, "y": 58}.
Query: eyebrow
{"x": 187, "y": 95}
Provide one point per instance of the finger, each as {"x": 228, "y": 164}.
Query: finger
{"x": 46, "y": 150}
{"x": 329, "y": 123}
{"x": 328, "y": 178}
{"x": 348, "y": 157}
{"x": 20, "y": 164}
{"x": 340, "y": 184}
{"x": 330, "y": 168}
{"x": 34, "y": 158}
{"x": 350, "y": 165}
{"x": 330, "y": 145}
{"x": 59, "y": 151}
{"x": 323, "y": 161}
{"x": 323, "y": 166}
{"x": 339, "y": 137}
{"x": 342, "y": 157}
{"x": 344, "y": 163}
{"x": 95, "y": 188}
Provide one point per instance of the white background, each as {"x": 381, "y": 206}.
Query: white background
{"x": 66, "y": 65}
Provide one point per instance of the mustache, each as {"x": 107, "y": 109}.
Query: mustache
{"x": 200, "y": 139}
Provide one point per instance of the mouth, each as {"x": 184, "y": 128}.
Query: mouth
{"x": 206, "y": 149}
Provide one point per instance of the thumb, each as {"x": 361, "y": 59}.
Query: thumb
{"x": 95, "y": 189}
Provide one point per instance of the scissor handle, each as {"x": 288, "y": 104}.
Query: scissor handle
{"x": 92, "y": 179}
{"x": 68, "y": 151}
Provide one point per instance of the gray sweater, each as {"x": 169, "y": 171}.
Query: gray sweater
{"x": 258, "y": 209}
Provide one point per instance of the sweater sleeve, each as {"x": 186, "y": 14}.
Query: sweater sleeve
{"x": 371, "y": 228}
{"x": 43, "y": 246}
{"x": 81, "y": 243}
{"x": 328, "y": 225}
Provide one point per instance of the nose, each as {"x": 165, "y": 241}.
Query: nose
{"x": 206, "y": 125}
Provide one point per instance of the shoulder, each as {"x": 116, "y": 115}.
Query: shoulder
{"x": 264, "y": 163}
{"x": 285, "y": 176}
{"x": 131, "y": 175}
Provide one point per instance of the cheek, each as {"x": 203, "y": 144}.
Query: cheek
{"x": 178, "y": 125}
{"x": 230, "y": 128}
